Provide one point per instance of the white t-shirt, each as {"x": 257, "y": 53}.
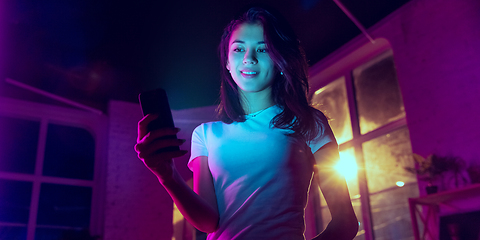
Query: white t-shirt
{"x": 261, "y": 176}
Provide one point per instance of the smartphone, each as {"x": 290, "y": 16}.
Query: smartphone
{"x": 156, "y": 101}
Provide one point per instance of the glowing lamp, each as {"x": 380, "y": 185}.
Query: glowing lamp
{"x": 347, "y": 166}
{"x": 400, "y": 183}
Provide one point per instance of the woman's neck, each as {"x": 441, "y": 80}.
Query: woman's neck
{"x": 256, "y": 101}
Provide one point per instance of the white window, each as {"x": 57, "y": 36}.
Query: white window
{"x": 50, "y": 171}
{"x": 361, "y": 96}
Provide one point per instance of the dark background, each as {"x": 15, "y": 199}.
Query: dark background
{"x": 91, "y": 51}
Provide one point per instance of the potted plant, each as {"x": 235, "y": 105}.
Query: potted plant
{"x": 433, "y": 167}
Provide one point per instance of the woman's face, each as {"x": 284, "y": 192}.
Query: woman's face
{"x": 249, "y": 63}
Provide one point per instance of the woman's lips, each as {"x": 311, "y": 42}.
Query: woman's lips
{"x": 248, "y": 74}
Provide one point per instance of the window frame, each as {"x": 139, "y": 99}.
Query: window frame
{"x": 341, "y": 64}
{"x": 96, "y": 124}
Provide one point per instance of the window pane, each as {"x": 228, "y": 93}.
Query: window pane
{"x": 62, "y": 205}
{"x": 377, "y": 93}
{"x": 18, "y": 144}
{"x": 69, "y": 152}
{"x": 332, "y": 101}
{"x": 62, "y": 233}
{"x": 48, "y": 233}
{"x": 385, "y": 159}
{"x": 13, "y": 233}
{"x": 15, "y": 201}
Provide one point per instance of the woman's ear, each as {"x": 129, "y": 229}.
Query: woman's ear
{"x": 228, "y": 66}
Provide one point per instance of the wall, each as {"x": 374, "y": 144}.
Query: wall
{"x": 437, "y": 53}
{"x": 137, "y": 206}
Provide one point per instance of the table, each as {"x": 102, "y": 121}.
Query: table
{"x": 459, "y": 200}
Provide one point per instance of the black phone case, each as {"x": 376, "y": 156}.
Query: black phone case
{"x": 156, "y": 102}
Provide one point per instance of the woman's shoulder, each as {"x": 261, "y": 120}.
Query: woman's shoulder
{"x": 211, "y": 124}
{"x": 208, "y": 126}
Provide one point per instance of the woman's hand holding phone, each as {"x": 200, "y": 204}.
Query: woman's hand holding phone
{"x": 158, "y": 147}
{"x": 157, "y": 142}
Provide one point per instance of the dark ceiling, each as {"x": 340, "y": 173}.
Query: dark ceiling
{"x": 90, "y": 51}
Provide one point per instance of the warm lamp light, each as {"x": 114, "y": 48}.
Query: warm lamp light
{"x": 347, "y": 166}
{"x": 400, "y": 183}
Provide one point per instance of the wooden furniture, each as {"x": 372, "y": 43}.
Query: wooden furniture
{"x": 430, "y": 208}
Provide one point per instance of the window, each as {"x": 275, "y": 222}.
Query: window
{"x": 50, "y": 171}
{"x": 361, "y": 97}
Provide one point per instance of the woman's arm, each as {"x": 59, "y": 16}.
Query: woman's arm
{"x": 203, "y": 186}
{"x": 344, "y": 224}
{"x": 199, "y": 209}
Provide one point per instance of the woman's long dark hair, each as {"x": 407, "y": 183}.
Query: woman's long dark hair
{"x": 289, "y": 90}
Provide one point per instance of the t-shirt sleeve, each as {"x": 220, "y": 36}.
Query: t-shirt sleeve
{"x": 325, "y": 136}
{"x": 199, "y": 147}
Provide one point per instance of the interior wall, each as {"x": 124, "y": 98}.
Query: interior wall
{"x": 437, "y": 54}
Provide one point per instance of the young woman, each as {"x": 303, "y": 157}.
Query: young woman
{"x": 252, "y": 170}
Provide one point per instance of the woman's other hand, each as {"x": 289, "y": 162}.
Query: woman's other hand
{"x": 154, "y": 148}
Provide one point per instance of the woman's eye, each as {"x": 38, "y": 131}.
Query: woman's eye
{"x": 262, "y": 50}
{"x": 238, "y": 50}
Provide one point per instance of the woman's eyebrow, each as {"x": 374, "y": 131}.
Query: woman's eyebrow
{"x": 240, "y": 41}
